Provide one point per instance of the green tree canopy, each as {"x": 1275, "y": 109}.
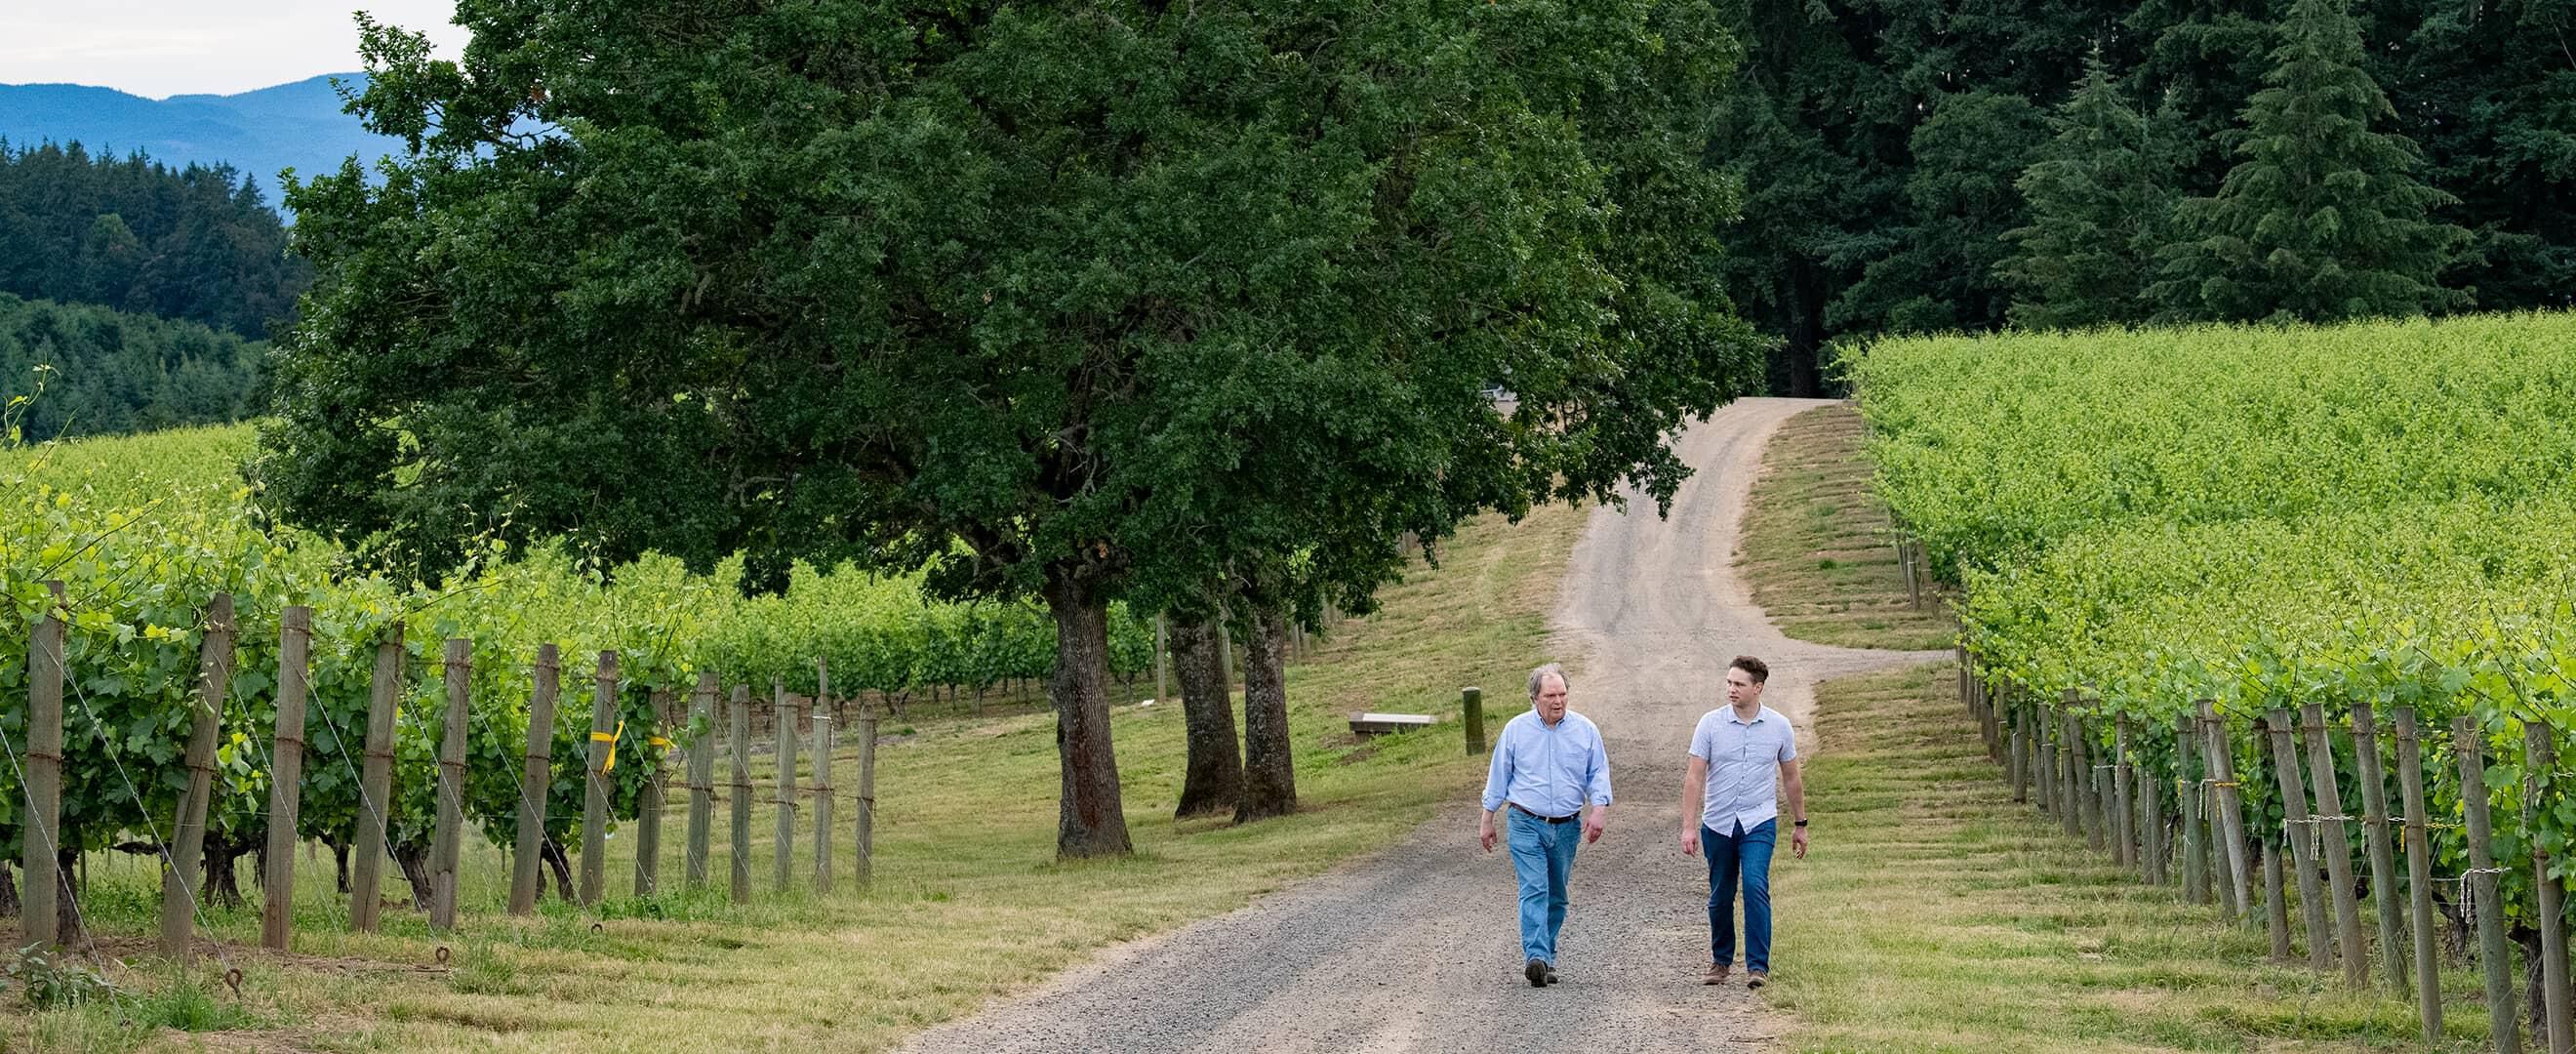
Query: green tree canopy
{"x": 2325, "y": 218}
{"x": 1939, "y": 270}
{"x": 2101, "y": 198}
{"x": 1065, "y": 300}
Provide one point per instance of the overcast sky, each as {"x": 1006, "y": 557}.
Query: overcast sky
{"x": 158, "y": 48}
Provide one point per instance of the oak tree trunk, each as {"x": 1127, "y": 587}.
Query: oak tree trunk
{"x": 1091, "y": 823}
{"x": 1269, "y": 768}
{"x": 1214, "y": 780}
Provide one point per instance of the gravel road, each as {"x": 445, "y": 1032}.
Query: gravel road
{"x": 1416, "y": 948}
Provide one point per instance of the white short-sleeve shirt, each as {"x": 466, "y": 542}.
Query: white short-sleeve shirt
{"x": 1743, "y": 766}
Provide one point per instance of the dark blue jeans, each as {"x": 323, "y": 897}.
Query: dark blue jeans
{"x": 1744, "y": 855}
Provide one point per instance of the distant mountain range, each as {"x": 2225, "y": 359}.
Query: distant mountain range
{"x": 259, "y": 132}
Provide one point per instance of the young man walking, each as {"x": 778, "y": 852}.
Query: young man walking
{"x": 1547, "y": 764}
{"x": 1741, "y": 755}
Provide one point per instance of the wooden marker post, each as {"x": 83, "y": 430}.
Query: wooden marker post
{"x": 286, "y": 779}
{"x": 536, "y": 781}
{"x": 188, "y": 835}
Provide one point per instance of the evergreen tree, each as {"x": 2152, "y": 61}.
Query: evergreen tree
{"x": 2324, "y": 219}
{"x": 70, "y": 370}
{"x": 1939, "y": 269}
{"x": 2101, "y": 198}
{"x": 2491, "y": 100}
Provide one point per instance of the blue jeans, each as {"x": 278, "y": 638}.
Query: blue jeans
{"x": 1543, "y": 857}
{"x": 1746, "y": 854}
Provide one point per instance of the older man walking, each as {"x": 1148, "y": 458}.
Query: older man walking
{"x": 1547, "y": 764}
{"x": 1740, "y": 757}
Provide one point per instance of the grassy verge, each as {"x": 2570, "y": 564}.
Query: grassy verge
{"x": 1816, "y": 547}
{"x": 968, "y": 903}
{"x": 1933, "y": 914}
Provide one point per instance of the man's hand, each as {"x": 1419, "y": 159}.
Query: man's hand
{"x": 1690, "y": 841}
{"x": 1485, "y": 832}
{"x": 1592, "y": 826}
{"x": 1798, "y": 843}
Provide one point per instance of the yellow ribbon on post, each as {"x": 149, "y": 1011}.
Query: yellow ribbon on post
{"x": 609, "y": 738}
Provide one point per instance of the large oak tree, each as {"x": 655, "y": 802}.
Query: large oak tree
{"x": 1074, "y": 300}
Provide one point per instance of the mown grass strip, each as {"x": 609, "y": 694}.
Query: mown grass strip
{"x": 1817, "y": 546}
{"x": 1933, "y": 915}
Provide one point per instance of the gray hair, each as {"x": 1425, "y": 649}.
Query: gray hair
{"x": 1547, "y": 671}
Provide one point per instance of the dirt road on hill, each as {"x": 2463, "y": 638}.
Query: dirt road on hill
{"x": 1416, "y": 948}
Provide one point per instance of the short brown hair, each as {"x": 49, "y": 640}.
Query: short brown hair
{"x": 1756, "y": 668}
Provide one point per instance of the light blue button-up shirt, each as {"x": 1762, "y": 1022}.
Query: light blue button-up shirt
{"x": 1548, "y": 770}
{"x": 1744, "y": 760}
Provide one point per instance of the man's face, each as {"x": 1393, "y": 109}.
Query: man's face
{"x": 1551, "y": 698}
{"x": 1741, "y": 688}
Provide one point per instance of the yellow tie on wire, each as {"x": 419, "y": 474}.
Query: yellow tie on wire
{"x": 609, "y": 738}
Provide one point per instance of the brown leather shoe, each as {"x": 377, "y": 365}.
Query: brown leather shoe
{"x": 1718, "y": 972}
{"x": 1756, "y": 978}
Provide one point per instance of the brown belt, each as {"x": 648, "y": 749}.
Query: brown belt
{"x": 1516, "y": 807}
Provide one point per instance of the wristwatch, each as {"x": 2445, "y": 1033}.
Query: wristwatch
{"x": 1800, "y": 823}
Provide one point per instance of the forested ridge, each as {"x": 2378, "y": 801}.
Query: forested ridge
{"x": 144, "y": 292}
{"x": 195, "y": 243}
{"x": 82, "y": 370}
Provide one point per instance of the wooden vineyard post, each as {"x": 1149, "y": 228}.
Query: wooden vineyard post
{"x": 1995, "y": 737}
{"x": 447, "y": 839}
{"x": 2276, "y": 902}
{"x": 2190, "y": 794}
{"x": 2069, "y": 747}
{"x": 599, "y": 763}
{"x": 536, "y": 780}
{"x": 2294, "y": 801}
{"x": 2230, "y": 828}
{"x": 40, "y": 905}
{"x": 2419, "y": 873}
{"x": 1910, "y": 557}
{"x": 2375, "y": 834}
{"x": 2151, "y": 812}
{"x": 741, "y": 740}
{"x": 375, "y": 783}
{"x": 1959, "y": 659}
{"x": 864, "y": 870}
{"x": 2043, "y": 757}
{"x": 188, "y": 835}
{"x": 2017, "y": 754}
{"x": 1471, "y": 705}
{"x": 823, "y": 779}
{"x": 2540, "y": 757}
{"x": 656, "y": 795}
{"x": 2089, "y": 787}
{"x": 784, "y": 859}
{"x": 2480, "y": 884}
{"x": 702, "y": 775}
{"x": 2124, "y": 845}
{"x": 286, "y": 780}
{"x": 2336, "y": 844}
{"x": 822, "y": 800}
